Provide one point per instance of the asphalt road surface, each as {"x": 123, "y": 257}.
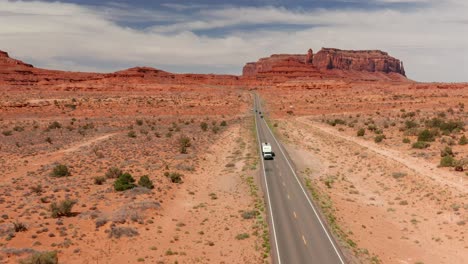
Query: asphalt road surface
{"x": 298, "y": 235}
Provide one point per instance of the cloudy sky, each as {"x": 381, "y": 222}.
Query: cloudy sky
{"x": 219, "y": 36}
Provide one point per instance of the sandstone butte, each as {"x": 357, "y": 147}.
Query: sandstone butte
{"x": 367, "y": 65}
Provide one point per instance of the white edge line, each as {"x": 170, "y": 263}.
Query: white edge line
{"x": 268, "y": 193}
{"x": 310, "y": 203}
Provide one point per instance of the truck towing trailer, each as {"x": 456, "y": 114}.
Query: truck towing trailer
{"x": 267, "y": 151}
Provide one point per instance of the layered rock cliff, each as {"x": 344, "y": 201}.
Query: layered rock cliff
{"x": 326, "y": 63}
{"x": 357, "y": 60}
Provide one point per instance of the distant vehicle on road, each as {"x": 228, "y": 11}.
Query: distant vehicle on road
{"x": 267, "y": 152}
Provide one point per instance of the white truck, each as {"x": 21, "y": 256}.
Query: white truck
{"x": 267, "y": 151}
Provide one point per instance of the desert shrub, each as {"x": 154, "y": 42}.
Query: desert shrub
{"x": 410, "y": 124}
{"x": 55, "y": 125}
{"x": 118, "y": 232}
{"x": 48, "y": 140}
{"x": 215, "y": 129}
{"x": 447, "y": 151}
{"x": 184, "y": 143}
{"x": 113, "y": 173}
{"x": 19, "y": 227}
{"x": 132, "y": 134}
{"x": 18, "y": 128}
{"x": 242, "y": 236}
{"x": 420, "y": 145}
{"x": 336, "y": 122}
{"x": 372, "y": 127}
{"x": 60, "y": 170}
{"x": 379, "y": 138}
{"x": 41, "y": 258}
{"x": 139, "y": 122}
{"x": 426, "y": 136}
{"x": 223, "y": 123}
{"x": 124, "y": 182}
{"x": 99, "y": 180}
{"x": 62, "y": 208}
{"x": 361, "y": 132}
{"x": 446, "y": 127}
{"x": 175, "y": 177}
{"x": 249, "y": 214}
{"x": 146, "y": 182}
{"x": 406, "y": 140}
{"x": 37, "y": 189}
{"x": 398, "y": 175}
{"x": 463, "y": 140}
{"x": 204, "y": 126}
{"x": 447, "y": 161}
{"x": 7, "y": 133}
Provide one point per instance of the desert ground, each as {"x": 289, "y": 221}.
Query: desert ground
{"x": 195, "y": 145}
{"x": 386, "y": 198}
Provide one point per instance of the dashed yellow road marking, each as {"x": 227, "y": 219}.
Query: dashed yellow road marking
{"x": 303, "y": 239}
{"x": 295, "y": 216}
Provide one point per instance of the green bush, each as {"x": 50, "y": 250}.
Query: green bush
{"x": 215, "y": 129}
{"x": 410, "y": 124}
{"x": 41, "y": 258}
{"x": 146, "y": 182}
{"x": 447, "y": 161}
{"x": 139, "y": 122}
{"x": 361, "y": 132}
{"x": 463, "y": 140}
{"x": 113, "y": 173}
{"x": 420, "y": 145}
{"x": 124, "y": 182}
{"x": 446, "y": 127}
{"x": 379, "y": 138}
{"x": 426, "y": 136}
{"x": 242, "y": 236}
{"x": 62, "y": 209}
{"x": 204, "y": 126}
{"x": 60, "y": 171}
{"x": 223, "y": 123}
{"x": 406, "y": 140}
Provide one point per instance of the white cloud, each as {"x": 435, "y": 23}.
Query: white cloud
{"x": 430, "y": 41}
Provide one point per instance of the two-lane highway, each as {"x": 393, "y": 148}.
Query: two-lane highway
{"x": 298, "y": 235}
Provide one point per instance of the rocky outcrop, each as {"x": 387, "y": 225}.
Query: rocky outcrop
{"x": 326, "y": 63}
{"x": 357, "y": 60}
{"x": 6, "y": 61}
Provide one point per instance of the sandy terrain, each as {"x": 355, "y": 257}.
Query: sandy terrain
{"x": 204, "y": 219}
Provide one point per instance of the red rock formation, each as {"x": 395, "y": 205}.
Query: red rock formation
{"x": 310, "y": 57}
{"x": 6, "y": 61}
{"x": 360, "y": 60}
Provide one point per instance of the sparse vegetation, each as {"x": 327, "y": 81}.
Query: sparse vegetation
{"x": 184, "y": 143}
{"x": 361, "y": 132}
{"x": 175, "y": 177}
{"x": 204, "y": 126}
{"x": 146, "y": 182}
{"x": 447, "y": 161}
{"x": 41, "y": 258}
{"x": 99, "y": 180}
{"x": 113, "y": 173}
{"x": 463, "y": 140}
{"x": 60, "y": 170}
{"x": 63, "y": 208}
{"x": 420, "y": 145}
{"x": 124, "y": 182}
{"x": 55, "y": 125}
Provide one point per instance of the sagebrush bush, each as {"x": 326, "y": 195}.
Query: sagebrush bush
{"x": 426, "y": 136}
{"x": 379, "y": 138}
{"x": 124, "y": 182}
{"x": 175, "y": 177}
{"x": 62, "y": 208}
{"x": 41, "y": 258}
{"x": 113, "y": 173}
{"x": 204, "y": 126}
{"x": 60, "y": 170}
{"x": 99, "y": 180}
{"x": 463, "y": 140}
{"x": 184, "y": 143}
{"x": 146, "y": 182}
{"x": 406, "y": 140}
{"x": 55, "y": 125}
{"x": 361, "y": 132}
{"x": 447, "y": 151}
{"x": 421, "y": 145}
{"x": 447, "y": 161}
{"x": 223, "y": 123}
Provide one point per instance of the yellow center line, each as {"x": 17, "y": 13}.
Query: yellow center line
{"x": 295, "y": 216}
{"x": 303, "y": 239}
